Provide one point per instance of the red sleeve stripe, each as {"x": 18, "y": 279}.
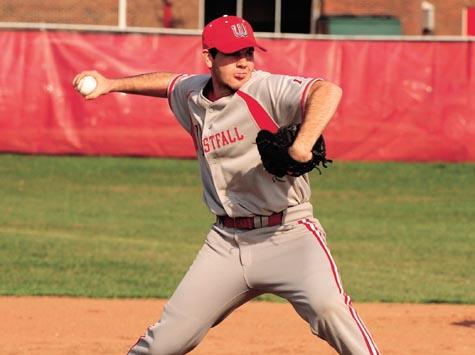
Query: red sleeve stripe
{"x": 258, "y": 113}
{"x": 193, "y": 135}
{"x": 192, "y": 132}
{"x": 303, "y": 100}
{"x": 170, "y": 88}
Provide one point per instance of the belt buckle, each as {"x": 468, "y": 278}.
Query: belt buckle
{"x": 261, "y": 221}
{"x": 250, "y": 222}
{"x": 257, "y": 221}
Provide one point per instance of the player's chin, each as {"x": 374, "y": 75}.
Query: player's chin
{"x": 238, "y": 81}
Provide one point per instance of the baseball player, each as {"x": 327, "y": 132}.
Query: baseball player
{"x": 265, "y": 238}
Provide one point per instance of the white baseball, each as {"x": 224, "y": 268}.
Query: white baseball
{"x": 87, "y": 85}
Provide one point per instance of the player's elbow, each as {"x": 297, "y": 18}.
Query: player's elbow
{"x": 331, "y": 89}
{"x": 327, "y": 92}
{"x": 327, "y": 88}
{"x": 338, "y": 91}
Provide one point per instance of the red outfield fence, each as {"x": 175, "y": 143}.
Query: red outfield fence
{"x": 403, "y": 100}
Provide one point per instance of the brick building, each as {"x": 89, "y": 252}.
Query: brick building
{"x": 387, "y": 17}
{"x": 413, "y": 15}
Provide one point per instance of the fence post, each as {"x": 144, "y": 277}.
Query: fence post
{"x": 122, "y": 14}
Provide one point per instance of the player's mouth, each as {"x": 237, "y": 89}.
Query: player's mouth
{"x": 240, "y": 76}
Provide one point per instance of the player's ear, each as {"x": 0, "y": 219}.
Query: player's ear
{"x": 208, "y": 58}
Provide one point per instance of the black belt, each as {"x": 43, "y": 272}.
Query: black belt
{"x": 251, "y": 222}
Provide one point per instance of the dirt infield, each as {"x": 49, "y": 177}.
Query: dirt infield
{"x": 54, "y": 326}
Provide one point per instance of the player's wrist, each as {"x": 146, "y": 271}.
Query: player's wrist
{"x": 118, "y": 85}
{"x": 299, "y": 153}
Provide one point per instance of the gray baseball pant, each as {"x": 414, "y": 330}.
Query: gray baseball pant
{"x": 234, "y": 266}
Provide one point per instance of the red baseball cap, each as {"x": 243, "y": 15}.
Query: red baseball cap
{"x": 229, "y": 34}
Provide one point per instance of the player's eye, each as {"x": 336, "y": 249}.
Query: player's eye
{"x": 248, "y": 53}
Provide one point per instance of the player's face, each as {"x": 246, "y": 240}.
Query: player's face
{"x": 231, "y": 71}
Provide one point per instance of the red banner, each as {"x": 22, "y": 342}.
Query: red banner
{"x": 403, "y": 100}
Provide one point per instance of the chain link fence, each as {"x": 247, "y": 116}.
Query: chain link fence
{"x": 139, "y": 13}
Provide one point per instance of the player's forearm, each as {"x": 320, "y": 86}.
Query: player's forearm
{"x": 320, "y": 107}
{"x": 152, "y": 84}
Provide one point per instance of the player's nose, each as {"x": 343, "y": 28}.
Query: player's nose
{"x": 242, "y": 62}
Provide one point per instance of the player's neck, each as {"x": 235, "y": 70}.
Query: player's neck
{"x": 213, "y": 91}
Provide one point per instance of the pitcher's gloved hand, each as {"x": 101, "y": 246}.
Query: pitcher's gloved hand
{"x": 274, "y": 151}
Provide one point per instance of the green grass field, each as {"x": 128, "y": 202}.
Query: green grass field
{"x": 129, "y": 227}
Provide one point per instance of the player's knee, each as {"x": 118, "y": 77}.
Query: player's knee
{"x": 175, "y": 333}
{"x": 153, "y": 343}
{"x": 172, "y": 346}
{"x": 327, "y": 307}
{"x": 175, "y": 341}
{"x": 165, "y": 346}
{"x": 322, "y": 312}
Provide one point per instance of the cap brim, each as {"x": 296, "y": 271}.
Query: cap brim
{"x": 228, "y": 48}
{"x": 261, "y": 48}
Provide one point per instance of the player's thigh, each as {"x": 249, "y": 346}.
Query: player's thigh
{"x": 214, "y": 283}
{"x": 309, "y": 279}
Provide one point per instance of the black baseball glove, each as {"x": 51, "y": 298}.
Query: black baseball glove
{"x": 274, "y": 151}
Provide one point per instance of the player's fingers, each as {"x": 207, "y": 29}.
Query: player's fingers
{"x": 76, "y": 80}
{"x": 91, "y": 96}
{"x": 84, "y": 73}
{"x": 100, "y": 89}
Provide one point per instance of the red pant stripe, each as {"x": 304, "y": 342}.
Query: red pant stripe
{"x": 318, "y": 234}
{"x": 321, "y": 240}
{"x": 366, "y": 335}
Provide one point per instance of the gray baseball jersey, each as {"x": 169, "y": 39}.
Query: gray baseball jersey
{"x": 235, "y": 182}
{"x": 290, "y": 259}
